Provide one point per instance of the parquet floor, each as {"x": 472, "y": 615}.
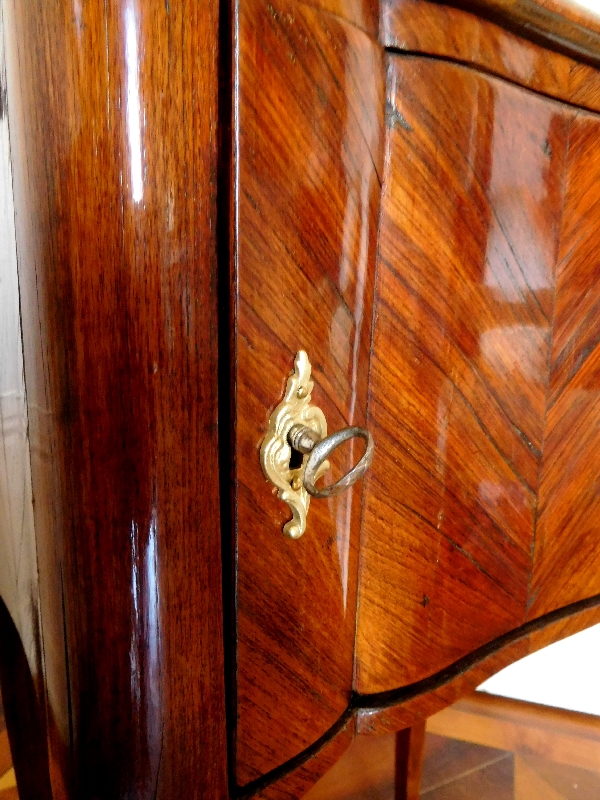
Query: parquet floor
{"x": 483, "y": 748}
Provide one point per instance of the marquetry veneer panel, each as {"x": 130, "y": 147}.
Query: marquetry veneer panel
{"x": 309, "y": 159}
{"x": 465, "y": 408}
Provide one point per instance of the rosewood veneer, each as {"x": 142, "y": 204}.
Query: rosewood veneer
{"x": 405, "y": 191}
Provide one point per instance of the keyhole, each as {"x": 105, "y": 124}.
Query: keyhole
{"x": 296, "y": 459}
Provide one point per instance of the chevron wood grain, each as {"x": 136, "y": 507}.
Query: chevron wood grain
{"x": 567, "y": 558}
{"x": 482, "y": 503}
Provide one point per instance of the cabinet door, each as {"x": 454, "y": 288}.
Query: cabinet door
{"x": 309, "y": 125}
{"x": 481, "y": 504}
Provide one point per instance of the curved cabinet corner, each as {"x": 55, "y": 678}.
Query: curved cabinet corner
{"x": 114, "y": 162}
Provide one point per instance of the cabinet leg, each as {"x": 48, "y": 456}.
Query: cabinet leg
{"x": 409, "y": 761}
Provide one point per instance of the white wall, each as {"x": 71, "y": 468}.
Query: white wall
{"x": 17, "y": 541}
{"x": 565, "y": 675}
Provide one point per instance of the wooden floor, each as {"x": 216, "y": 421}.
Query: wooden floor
{"x": 8, "y": 790}
{"x": 483, "y": 748}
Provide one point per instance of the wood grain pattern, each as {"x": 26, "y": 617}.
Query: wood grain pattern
{"x": 309, "y": 156}
{"x": 467, "y": 737}
{"x": 117, "y": 123}
{"x": 557, "y": 24}
{"x": 459, "y": 369}
{"x": 364, "y": 14}
{"x": 300, "y": 779}
{"x": 386, "y": 714}
{"x": 113, "y": 111}
{"x": 567, "y": 532}
{"x": 406, "y": 712}
{"x": 405, "y": 707}
{"x": 467, "y": 298}
{"x": 419, "y": 26}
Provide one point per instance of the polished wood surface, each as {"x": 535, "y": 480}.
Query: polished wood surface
{"x": 418, "y": 26}
{"x": 400, "y": 709}
{"x": 462, "y": 340}
{"x": 404, "y": 708}
{"x": 364, "y": 14}
{"x": 467, "y": 306}
{"x": 566, "y": 540}
{"x": 113, "y": 117}
{"x": 311, "y": 92}
{"x": 303, "y": 776}
{"x": 482, "y": 748}
{"x": 198, "y": 196}
{"x": 558, "y": 24}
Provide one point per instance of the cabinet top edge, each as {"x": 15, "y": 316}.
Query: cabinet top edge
{"x": 559, "y": 25}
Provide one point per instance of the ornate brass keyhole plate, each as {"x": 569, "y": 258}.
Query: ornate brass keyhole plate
{"x": 276, "y": 450}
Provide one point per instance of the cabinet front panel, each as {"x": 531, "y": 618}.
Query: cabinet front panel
{"x": 567, "y": 542}
{"x": 470, "y": 231}
{"x": 310, "y": 109}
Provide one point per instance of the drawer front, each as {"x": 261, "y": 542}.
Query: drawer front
{"x": 480, "y": 507}
{"x": 309, "y": 135}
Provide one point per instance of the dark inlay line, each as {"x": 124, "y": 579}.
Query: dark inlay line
{"x": 381, "y": 700}
{"x": 227, "y": 213}
{"x": 395, "y": 50}
{"x": 393, "y": 697}
{"x": 289, "y": 766}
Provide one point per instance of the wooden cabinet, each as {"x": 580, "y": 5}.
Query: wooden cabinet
{"x": 309, "y": 91}
{"x": 468, "y": 302}
{"x": 407, "y": 192}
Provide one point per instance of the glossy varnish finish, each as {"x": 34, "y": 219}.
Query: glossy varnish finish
{"x": 308, "y": 160}
{"x": 566, "y": 542}
{"x": 392, "y": 711}
{"x": 436, "y": 29}
{"x": 113, "y": 111}
{"x": 363, "y": 14}
{"x": 462, "y": 340}
{"x": 481, "y": 346}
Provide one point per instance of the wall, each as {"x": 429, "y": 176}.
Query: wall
{"x": 17, "y": 541}
{"x": 565, "y": 675}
